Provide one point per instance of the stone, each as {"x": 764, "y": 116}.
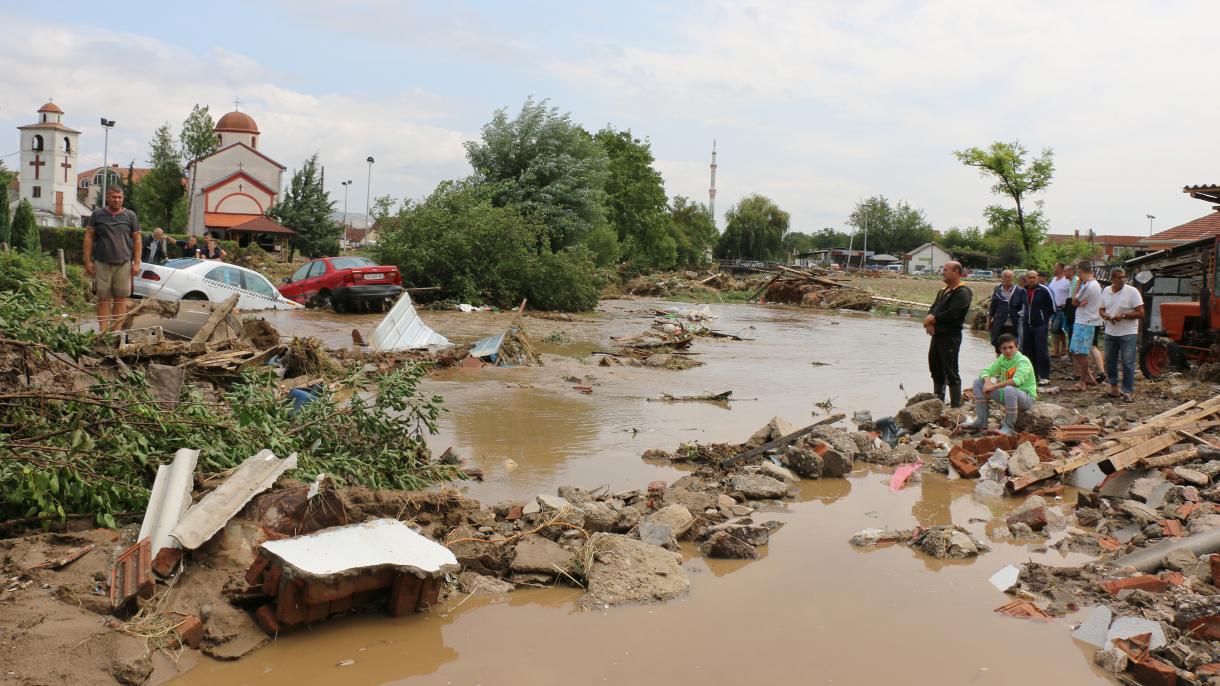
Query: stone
{"x": 1021, "y": 530}
{"x": 1023, "y": 459}
{"x": 626, "y": 570}
{"x": 657, "y": 533}
{"x": 1186, "y": 562}
{"x": 1113, "y": 661}
{"x": 946, "y": 542}
{"x": 132, "y": 666}
{"x": 479, "y": 584}
{"x": 484, "y": 557}
{"x": 540, "y": 555}
{"x": 805, "y": 463}
{"x": 553, "y": 502}
{"x": 1141, "y": 512}
{"x": 1041, "y": 418}
{"x": 531, "y": 508}
{"x": 836, "y": 465}
{"x": 776, "y": 428}
{"x": 754, "y": 535}
{"x": 575, "y": 496}
{"x": 677, "y": 517}
{"x": 724, "y": 545}
{"x": 775, "y": 471}
{"x": 628, "y": 519}
{"x": 725, "y": 501}
{"x": 1201, "y": 523}
{"x": 915, "y": 416}
{"x": 694, "y": 501}
{"x": 989, "y": 488}
{"x": 757, "y": 487}
{"x": 741, "y": 510}
{"x": 1193, "y": 476}
{"x": 1142, "y": 488}
{"x": 599, "y": 516}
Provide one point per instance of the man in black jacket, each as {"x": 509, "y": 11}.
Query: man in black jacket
{"x": 1035, "y": 306}
{"x": 944, "y": 325}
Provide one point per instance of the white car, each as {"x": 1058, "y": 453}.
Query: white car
{"x": 194, "y": 279}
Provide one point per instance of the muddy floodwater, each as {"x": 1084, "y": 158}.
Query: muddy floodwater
{"x": 812, "y": 610}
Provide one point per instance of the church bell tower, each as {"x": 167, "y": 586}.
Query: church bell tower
{"x": 48, "y": 167}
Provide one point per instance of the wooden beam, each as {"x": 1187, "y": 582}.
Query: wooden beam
{"x": 778, "y": 443}
{"x": 1134, "y": 454}
{"x": 218, "y": 315}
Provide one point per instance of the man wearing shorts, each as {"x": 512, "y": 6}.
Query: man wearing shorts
{"x": 1084, "y": 331}
{"x": 112, "y": 256}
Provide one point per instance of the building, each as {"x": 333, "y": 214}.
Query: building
{"x": 831, "y": 257}
{"x": 89, "y": 182}
{"x": 1108, "y": 247}
{"x": 47, "y": 169}
{"x": 234, "y": 185}
{"x": 927, "y": 257}
{"x": 1203, "y": 227}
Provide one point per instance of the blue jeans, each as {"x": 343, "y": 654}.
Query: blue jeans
{"x": 1124, "y": 347}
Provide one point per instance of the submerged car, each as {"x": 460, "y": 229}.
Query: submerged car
{"x": 190, "y": 278}
{"x": 343, "y": 283}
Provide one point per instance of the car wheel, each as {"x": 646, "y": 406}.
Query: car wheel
{"x": 195, "y": 295}
{"x": 325, "y": 299}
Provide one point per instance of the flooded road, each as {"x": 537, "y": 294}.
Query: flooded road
{"x": 812, "y": 610}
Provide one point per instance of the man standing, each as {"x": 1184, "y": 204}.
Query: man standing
{"x": 944, "y": 325}
{"x": 112, "y": 256}
{"x": 1061, "y": 287}
{"x": 1087, "y": 298}
{"x": 1001, "y": 318}
{"x": 1122, "y": 307}
{"x": 1035, "y": 307}
{"x": 155, "y": 253}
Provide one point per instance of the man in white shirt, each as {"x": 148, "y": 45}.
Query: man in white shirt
{"x": 1061, "y": 287}
{"x": 1088, "y": 318}
{"x": 1122, "y": 307}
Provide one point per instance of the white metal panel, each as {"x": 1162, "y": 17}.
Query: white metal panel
{"x": 169, "y": 500}
{"x": 215, "y": 509}
{"x": 402, "y": 329}
{"x": 357, "y": 548}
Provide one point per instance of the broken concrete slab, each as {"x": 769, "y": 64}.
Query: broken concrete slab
{"x": 1005, "y": 578}
{"x": 252, "y": 477}
{"x": 769, "y": 468}
{"x": 540, "y": 555}
{"x": 357, "y": 548}
{"x": 626, "y": 571}
{"x": 402, "y": 329}
{"x": 1094, "y": 629}
{"x": 778, "y": 427}
{"x": 1023, "y": 459}
{"x": 757, "y": 487}
{"x": 657, "y": 533}
{"x": 1129, "y": 627}
{"x": 554, "y": 503}
{"x": 676, "y": 517}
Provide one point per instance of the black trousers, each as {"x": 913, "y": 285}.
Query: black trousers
{"x": 942, "y": 360}
{"x": 1033, "y": 346}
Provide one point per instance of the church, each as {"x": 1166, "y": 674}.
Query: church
{"x": 233, "y": 188}
{"x": 47, "y": 173}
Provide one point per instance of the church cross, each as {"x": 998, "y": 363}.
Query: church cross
{"x": 236, "y": 104}
{"x": 37, "y": 164}
{"x": 66, "y": 165}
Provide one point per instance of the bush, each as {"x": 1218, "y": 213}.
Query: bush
{"x": 564, "y": 281}
{"x": 19, "y": 270}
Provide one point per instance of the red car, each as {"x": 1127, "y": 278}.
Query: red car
{"x": 343, "y": 283}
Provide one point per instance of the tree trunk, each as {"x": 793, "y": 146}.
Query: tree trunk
{"x": 1025, "y": 240}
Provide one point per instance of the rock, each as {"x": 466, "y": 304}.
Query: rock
{"x": 599, "y": 516}
{"x": 132, "y": 665}
{"x": 1041, "y": 418}
{"x": 741, "y": 510}
{"x": 479, "y": 584}
{"x": 575, "y": 496}
{"x": 988, "y": 488}
{"x": 1193, "y": 476}
{"x": 1187, "y": 563}
{"x": 531, "y": 508}
{"x": 1021, "y": 530}
{"x": 694, "y": 501}
{"x": 1093, "y": 630}
{"x": 868, "y": 538}
{"x": 917, "y": 415}
{"x": 775, "y": 471}
{"x": 725, "y": 501}
{"x": 540, "y": 555}
{"x": 836, "y": 465}
{"x": 484, "y": 557}
{"x": 626, "y": 570}
{"x": 1127, "y": 627}
{"x": 1113, "y": 661}
{"x": 754, "y": 535}
{"x": 553, "y": 502}
{"x": 724, "y": 545}
{"x": 1033, "y": 502}
{"x": 946, "y": 542}
{"x": 657, "y": 533}
{"x": 1201, "y": 523}
{"x": 677, "y": 517}
{"x": 1023, "y": 459}
{"x": 920, "y": 397}
{"x": 1144, "y": 487}
{"x": 628, "y": 519}
{"x": 1140, "y": 512}
{"x": 503, "y": 509}
{"x": 804, "y": 462}
{"x": 776, "y": 428}
{"x": 757, "y": 487}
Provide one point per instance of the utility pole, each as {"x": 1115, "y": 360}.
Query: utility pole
{"x": 711, "y": 191}
{"x": 368, "y": 194}
{"x": 864, "y": 252}
{"x": 107, "y": 124}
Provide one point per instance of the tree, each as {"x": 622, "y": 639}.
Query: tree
{"x": 694, "y": 233}
{"x": 25, "y": 229}
{"x": 159, "y": 190}
{"x": 129, "y": 189}
{"x": 1015, "y": 178}
{"x": 198, "y": 136}
{"x": 754, "y": 228}
{"x": 551, "y": 170}
{"x": 305, "y": 207}
{"x": 6, "y": 221}
{"x": 636, "y": 201}
{"x": 891, "y": 228}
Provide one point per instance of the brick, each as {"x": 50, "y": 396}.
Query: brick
{"x": 1205, "y": 627}
{"x": 166, "y": 561}
{"x": 1108, "y": 543}
{"x": 656, "y": 488}
{"x": 1172, "y": 528}
{"x": 1145, "y": 582}
{"x": 190, "y": 632}
{"x": 254, "y": 575}
{"x": 316, "y": 612}
{"x": 964, "y": 463}
{"x": 327, "y": 591}
{"x": 517, "y": 512}
{"x": 265, "y": 616}
{"x": 1186, "y": 509}
{"x": 131, "y": 574}
{"x": 1022, "y": 609}
{"x": 289, "y": 608}
{"x": 1173, "y": 578}
{"x": 362, "y": 599}
{"x": 1209, "y": 669}
{"x": 340, "y": 605}
{"x": 1049, "y": 491}
{"x": 271, "y": 580}
{"x": 1152, "y": 672}
{"x": 429, "y": 594}
{"x": 404, "y": 594}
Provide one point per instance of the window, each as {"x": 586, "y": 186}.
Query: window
{"x": 67, "y": 145}
{"x": 258, "y": 285}
{"x": 182, "y": 262}
{"x": 36, "y": 143}
{"x": 350, "y": 262}
{"x": 300, "y": 274}
{"x": 84, "y": 183}
{"x": 316, "y": 269}
{"x": 36, "y": 191}
{"x": 229, "y": 276}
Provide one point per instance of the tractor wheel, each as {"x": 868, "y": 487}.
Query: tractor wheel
{"x": 1161, "y": 357}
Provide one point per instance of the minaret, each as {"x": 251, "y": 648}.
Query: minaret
{"x": 711, "y": 192}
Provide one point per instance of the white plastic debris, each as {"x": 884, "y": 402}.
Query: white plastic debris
{"x": 1006, "y": 578}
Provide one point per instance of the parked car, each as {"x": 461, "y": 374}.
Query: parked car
{"x": 896, "y": 268}
{"x": 343, "y": 283}
{"x": 981, "y": 274}
{"x": 190, "y": 278}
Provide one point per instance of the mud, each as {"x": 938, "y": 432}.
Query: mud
{"x": 813, "y": 609}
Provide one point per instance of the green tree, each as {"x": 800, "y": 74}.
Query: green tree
{"x": 551, "y": 170}
{"x": 636, "y": 201}
{"x": 198, "y": 136}
{"x": 754, "y": 228}
{"x": 963, "y": 239}
{"x": 305, "y": 207}
{"x": 129, "y": 189}
{"x": 694, "y": 233}
{"x": 893, "y": 228}
{"x": 6, "y": 220}
{"x": 1016, "y": 178}
{"x": 25, "y": 229}
{"x": 159, "y": 190}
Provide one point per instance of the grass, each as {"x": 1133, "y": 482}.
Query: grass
{"x": 921, "y": 289}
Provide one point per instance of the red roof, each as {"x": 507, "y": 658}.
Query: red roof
{"x": 1207, "y": 225}
{"x": 51, "y": 107}
{"x": 236, "y": 122}
{"x": 243, "y": 175}
{"x": 1098, "y": 239}
{"x": 54, "y": 125}
{"x": 226, "y": 220}
{"x": 262, "y": 225}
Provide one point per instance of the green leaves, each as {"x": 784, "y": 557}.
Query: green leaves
{"x": 755, "y": 229}
{"x": 1016, "y": 178}
{"x": 305, "y": 207}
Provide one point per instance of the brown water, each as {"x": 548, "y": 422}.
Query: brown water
{"x": 813, "y": 610}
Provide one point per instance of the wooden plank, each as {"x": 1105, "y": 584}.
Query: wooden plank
{"x": 1171, "y": 459}
{"x": 218, "y": 315}
{"x": 1132, "y": 455}
{"x": 1195, "y": 439}
{"x": 779, "y": 442}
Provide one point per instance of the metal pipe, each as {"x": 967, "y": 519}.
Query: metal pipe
{"x": 1151, "y": 558}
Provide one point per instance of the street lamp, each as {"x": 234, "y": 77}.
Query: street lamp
{"x": 107, "y": 124}
{"x": 368, "y": 194}
{"x": 346, "y": 186}
{"x": 1150, "y": 218}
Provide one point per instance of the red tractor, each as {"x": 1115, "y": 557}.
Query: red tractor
{"x": 1182, "y": 311}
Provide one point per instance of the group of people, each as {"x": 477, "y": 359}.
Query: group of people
{"x": 114, "y": 250}
{"x": 1029, "y": 321}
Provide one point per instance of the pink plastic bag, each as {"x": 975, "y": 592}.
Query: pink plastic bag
{"x": 903, "y": 473}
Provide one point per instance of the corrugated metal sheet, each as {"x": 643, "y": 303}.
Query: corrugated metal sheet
{"x": 488, "y": 347}
{"x": 402, "y": 329}
{"x": 254, "y": 476}
{"x": 169, "y": 501}
{"x": 358, "y": 548}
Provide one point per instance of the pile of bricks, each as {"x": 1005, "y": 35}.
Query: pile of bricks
{"x": 967, "y": 456}
{"x": 297, "y": 601}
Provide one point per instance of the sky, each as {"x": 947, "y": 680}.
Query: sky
{"x": 814, "y": 104}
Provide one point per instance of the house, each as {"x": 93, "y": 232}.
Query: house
{"x": 828, "y": 257}
{"x": 89, "y": 182}
{"x": 927, "y": 257}
{"x": 1203, "y": 227}
{"x": 1107, "y": 246}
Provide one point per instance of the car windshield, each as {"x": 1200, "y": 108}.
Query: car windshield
{"x": 182, "y": 262}
{"x": 350, "y": 262}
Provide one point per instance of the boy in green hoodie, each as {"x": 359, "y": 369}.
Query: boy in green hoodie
{"x": 1010, "y": 380}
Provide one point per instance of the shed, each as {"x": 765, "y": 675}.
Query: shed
{"x": 927, "y": 257}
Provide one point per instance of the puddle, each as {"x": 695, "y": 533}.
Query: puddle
{"x": 814, "y": 610}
